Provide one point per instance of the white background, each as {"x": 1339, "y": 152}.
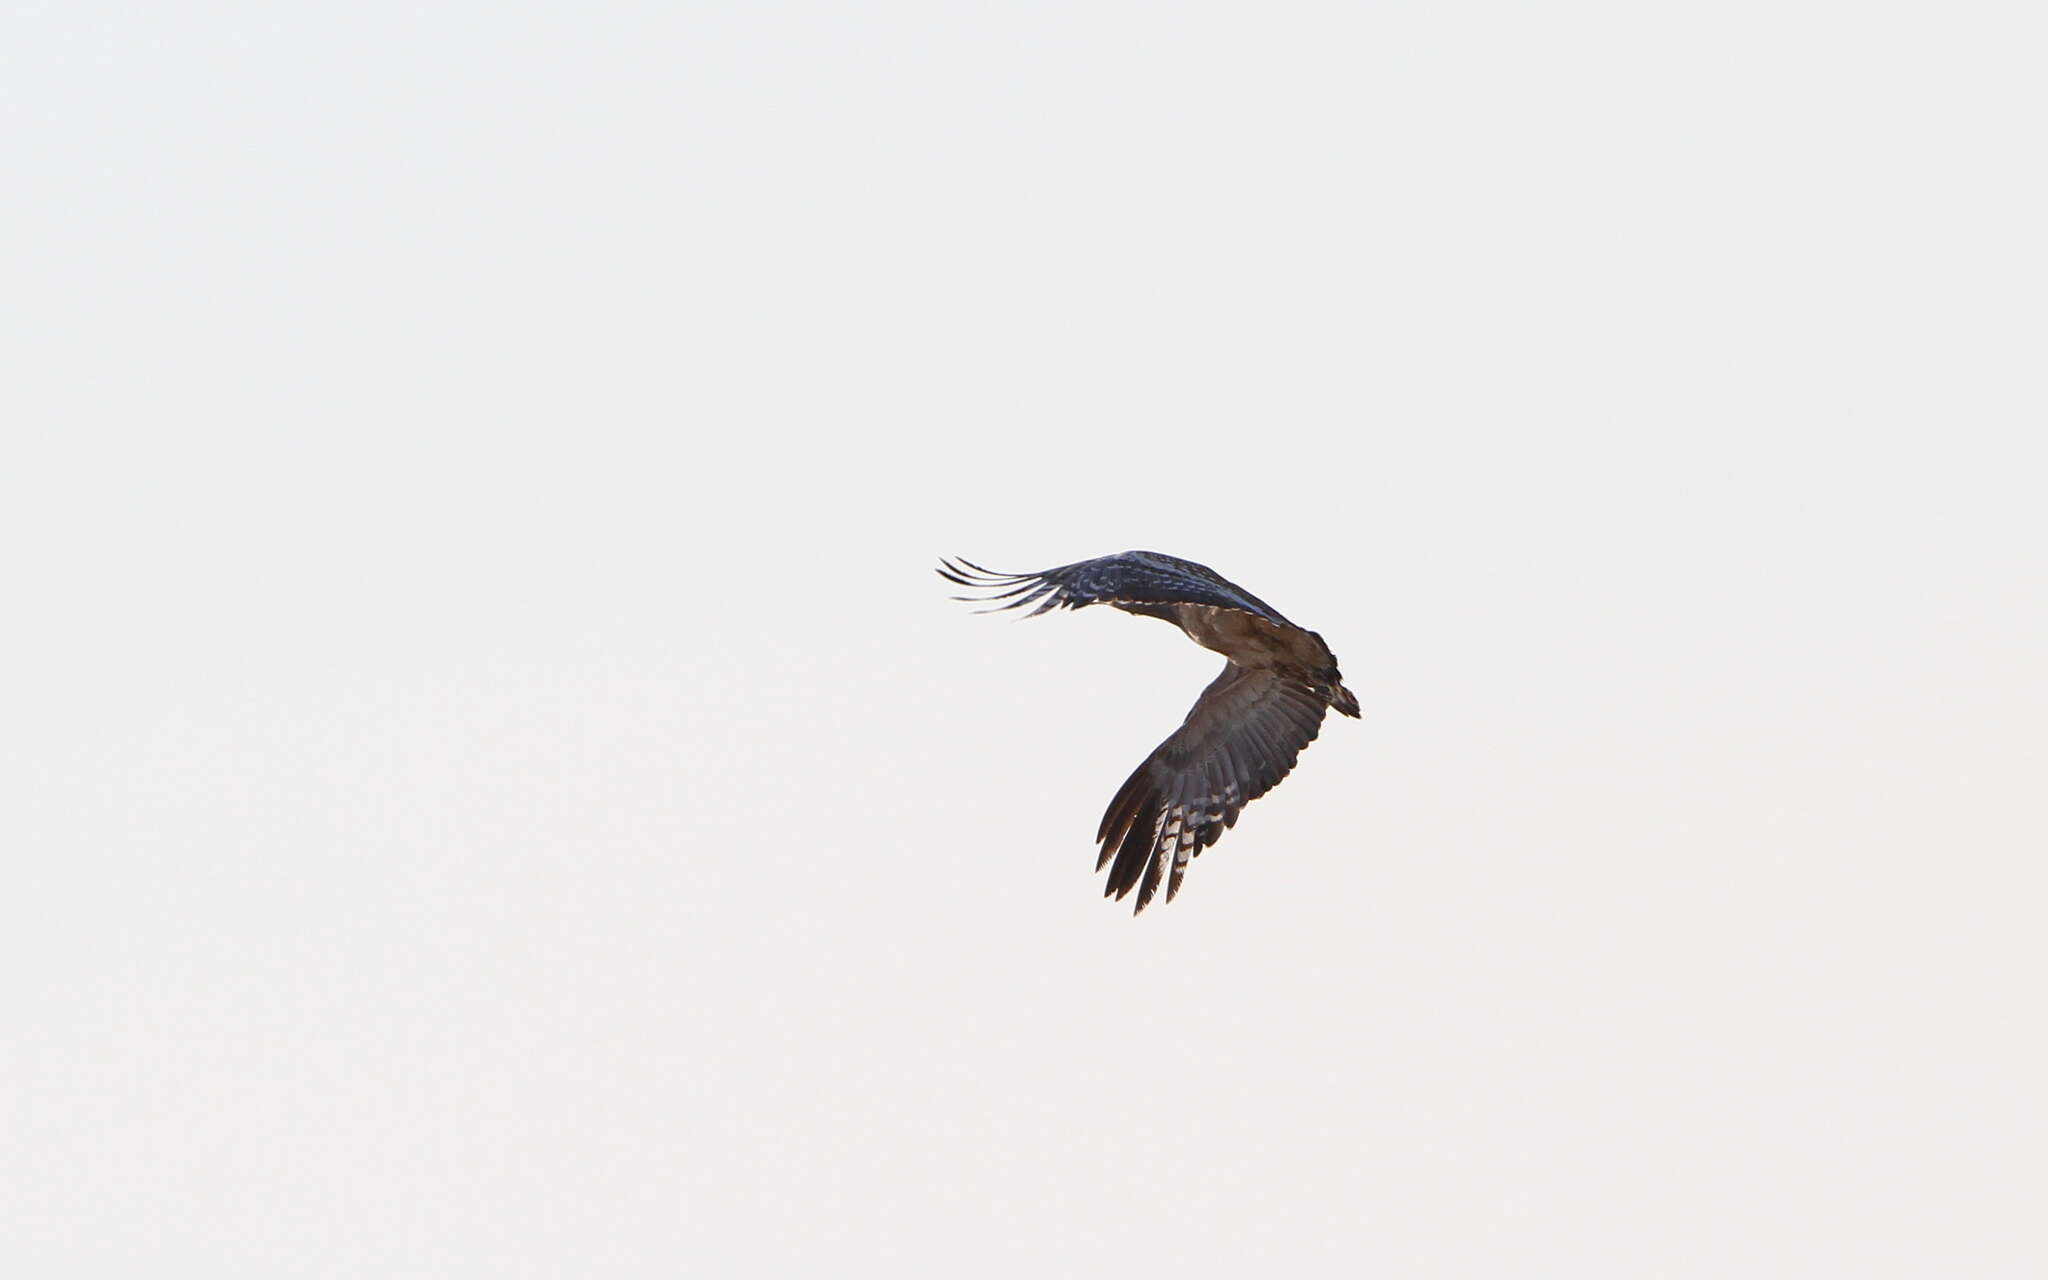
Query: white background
{"x": 494, "y": 788}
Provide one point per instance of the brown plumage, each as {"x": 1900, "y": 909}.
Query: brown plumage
{"x": 1243, "y": 734}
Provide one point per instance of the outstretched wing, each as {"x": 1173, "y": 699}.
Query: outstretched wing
{"x": 1241, "y": 739}
{"x": 1133, "y": 578}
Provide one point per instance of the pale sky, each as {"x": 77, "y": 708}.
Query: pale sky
{"x": 497, "y": 790}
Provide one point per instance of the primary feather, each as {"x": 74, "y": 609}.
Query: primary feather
{"x": 1243, "y": 734}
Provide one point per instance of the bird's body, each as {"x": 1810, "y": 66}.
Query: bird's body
{"x": 1245, "y": 731}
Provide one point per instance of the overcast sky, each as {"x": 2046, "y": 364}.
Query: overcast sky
{"x": 495, "y": 788}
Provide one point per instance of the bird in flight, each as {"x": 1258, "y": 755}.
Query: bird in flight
{"x": 1245, "y": 730}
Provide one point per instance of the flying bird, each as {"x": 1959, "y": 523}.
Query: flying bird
{"x": 1245, "y": 731}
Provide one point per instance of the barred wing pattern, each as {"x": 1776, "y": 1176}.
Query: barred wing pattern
{"x": 1244, "y": 733}
{"x": 1134, "y": 578}
{"x": 1240, "y": 740}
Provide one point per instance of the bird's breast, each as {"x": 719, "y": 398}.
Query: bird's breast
{"x": 1248, "y": 640}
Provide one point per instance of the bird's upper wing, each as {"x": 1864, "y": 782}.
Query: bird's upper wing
{"x": 1134, "y": 577}
{"x": 1239, "y": 741}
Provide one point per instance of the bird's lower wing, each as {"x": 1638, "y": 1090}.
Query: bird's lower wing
{"x": 1242, "y": 737}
